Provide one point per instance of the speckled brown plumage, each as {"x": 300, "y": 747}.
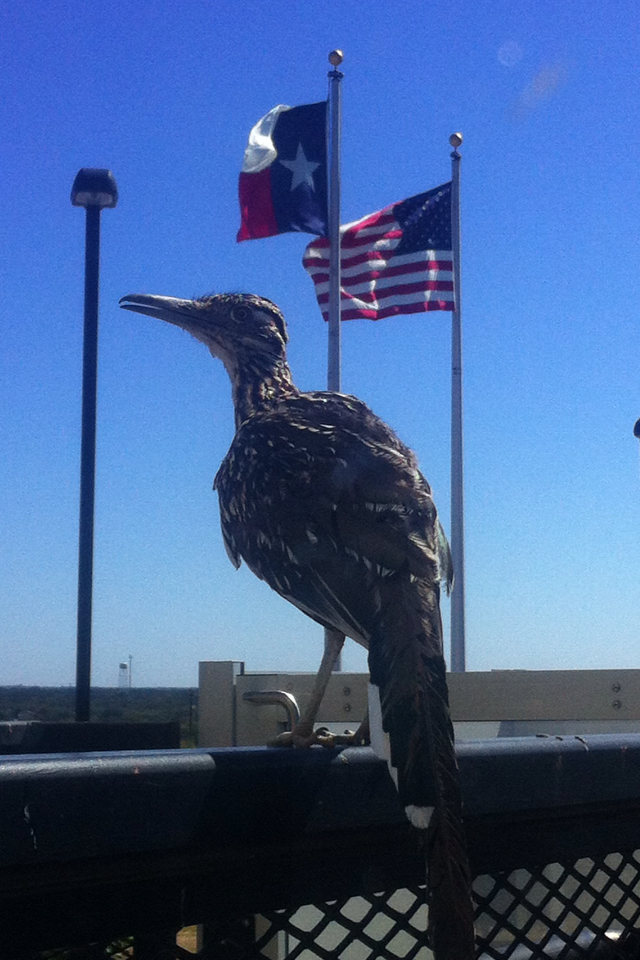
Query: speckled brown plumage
{"x": 321, "y": 500}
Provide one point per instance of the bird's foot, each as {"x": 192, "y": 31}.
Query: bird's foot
{"x": 350, "y": 738}
{"x": 301, "y": 736}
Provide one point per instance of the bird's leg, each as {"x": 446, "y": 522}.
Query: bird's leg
{"x": 303, "y": 734}
{"x": 362, "y": 735}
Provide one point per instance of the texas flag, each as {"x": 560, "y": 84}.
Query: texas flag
{"x": 283, "y": 183}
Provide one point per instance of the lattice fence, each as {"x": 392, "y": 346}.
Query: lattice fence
{"x": 587, "y": 909}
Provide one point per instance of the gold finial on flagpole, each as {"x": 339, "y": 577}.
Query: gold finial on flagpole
{"x": 336, "y": 57}
{"x": 455, "y": 140}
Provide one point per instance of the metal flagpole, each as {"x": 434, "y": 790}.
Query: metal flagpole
{"x": 333, "y": 358}
{"x": 458, "y": 650}
{"x": 335, "y": 78}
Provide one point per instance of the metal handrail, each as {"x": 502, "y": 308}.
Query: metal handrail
{"x": 104, "y": 844}
{"x": 281, "y": 697}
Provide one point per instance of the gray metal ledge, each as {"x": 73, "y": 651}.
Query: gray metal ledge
{"x": 66, "y": 806}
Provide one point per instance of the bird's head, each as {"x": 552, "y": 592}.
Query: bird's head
{"x": 238, "y": 328}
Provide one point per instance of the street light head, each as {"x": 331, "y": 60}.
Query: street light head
{"x": 94, "y": 188}
{"x": 336, "y": 57}
{"x": 636, "y": 429}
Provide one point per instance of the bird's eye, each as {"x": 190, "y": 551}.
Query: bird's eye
{"x": 240, "y": 313}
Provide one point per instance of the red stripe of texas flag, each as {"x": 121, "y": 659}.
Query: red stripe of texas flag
{"x": 258, "y": 218}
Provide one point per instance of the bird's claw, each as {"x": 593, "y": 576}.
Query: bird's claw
{"x": 321, "y": 737}
{"x": 289, "y": 739}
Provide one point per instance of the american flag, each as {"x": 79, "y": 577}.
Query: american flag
{"x": 397, "y": 260}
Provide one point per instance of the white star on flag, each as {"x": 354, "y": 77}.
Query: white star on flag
{"x": 301, "y": 168}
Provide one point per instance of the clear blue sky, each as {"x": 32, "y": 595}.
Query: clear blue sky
{"x": 164, "y": 93}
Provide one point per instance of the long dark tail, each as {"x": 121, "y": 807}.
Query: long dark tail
{"x": 408, "y": 670}
{"x": 448, "y": 875}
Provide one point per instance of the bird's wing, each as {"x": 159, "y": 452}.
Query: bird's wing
{"x": 342, "y": 505}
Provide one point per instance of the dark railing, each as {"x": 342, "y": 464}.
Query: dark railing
{"x": 95, "y": 847}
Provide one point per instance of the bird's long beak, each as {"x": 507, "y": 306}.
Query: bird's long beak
{"x": 182, "y": 313}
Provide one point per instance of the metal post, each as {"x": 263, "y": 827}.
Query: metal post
{"x": 334, "y": 376}
{"x": 458, "y": 639}
{"x": 333, "y": 364}
{"x": 87, "y": 462}
{"x": 93, "y": 190}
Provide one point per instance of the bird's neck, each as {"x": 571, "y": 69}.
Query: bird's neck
{"x": 259, "y": 385}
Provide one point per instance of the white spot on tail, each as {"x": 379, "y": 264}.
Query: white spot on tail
{"x": 379, "y": 739}
{"x": 419, "y": 816}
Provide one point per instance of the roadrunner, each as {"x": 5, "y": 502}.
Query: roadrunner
{"x": 321, "y": 500}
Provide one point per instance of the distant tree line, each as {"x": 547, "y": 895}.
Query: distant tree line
{"x": 108, "y": 704}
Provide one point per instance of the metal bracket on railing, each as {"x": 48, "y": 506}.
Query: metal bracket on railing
{"x": 286, "y": 700}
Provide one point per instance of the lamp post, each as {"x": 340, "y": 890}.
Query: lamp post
{"x": 93, "y": 190}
